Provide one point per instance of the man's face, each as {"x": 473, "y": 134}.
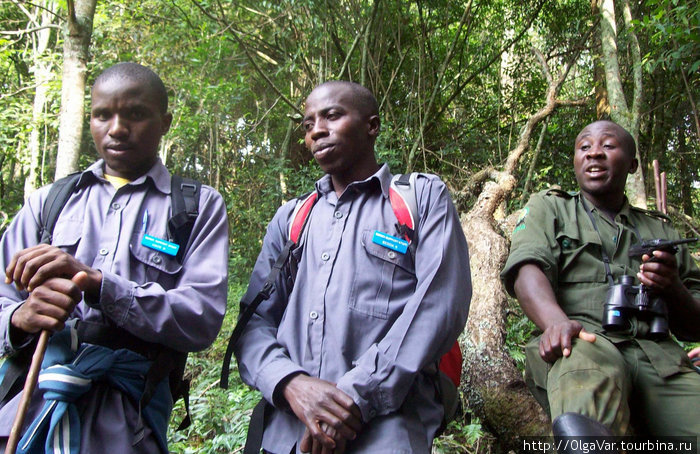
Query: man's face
{"x": 601, "y": 162}
{"x": 337, "y": 132}
{"x": 126, "y": 124}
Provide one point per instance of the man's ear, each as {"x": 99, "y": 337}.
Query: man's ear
{"x": 167, "y": 120}
{"x": 633, "y": 165}
{"x": 373, "y": 126}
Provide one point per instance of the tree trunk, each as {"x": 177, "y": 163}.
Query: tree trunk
{"x": 619, "y": 110}
{"x": 75, "y": 56}
{"x": 42, "y": 76}
{"x": 684, "y": 167}
{"x": 533, "y": 164}
{"x": 494, "y": 388}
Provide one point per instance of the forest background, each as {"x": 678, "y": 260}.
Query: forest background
{"x": 489, "y": 94}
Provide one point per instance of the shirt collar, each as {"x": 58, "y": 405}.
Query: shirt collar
{"x": 158, "y": 175}
{"x": 382, "y": 176}
{"x": 624, "y": 211}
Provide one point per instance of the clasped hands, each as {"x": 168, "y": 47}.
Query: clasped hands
{"x": 331, "y": 417}
{"x": 54, "y": 280}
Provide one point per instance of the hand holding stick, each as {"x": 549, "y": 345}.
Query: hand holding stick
{"x": 80, "y": 279}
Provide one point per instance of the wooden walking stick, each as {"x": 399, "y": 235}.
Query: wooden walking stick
{"x": 30, "y": 382}
{"x": 29, "y": 385}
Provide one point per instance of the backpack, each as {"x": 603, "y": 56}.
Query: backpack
{"x": 166, "y": 362}
{"x": 402, "y": 196}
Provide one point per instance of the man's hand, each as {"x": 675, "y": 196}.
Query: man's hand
{"x": 661, "y": 274}
{"x": 556, "y": 339}
{"x": 314, "y": 402}
{"x": 31, "y": 267}
{"x": 308, "y": 444}
{"x": 536, "y": 296}
{"x": 49, "y": 305}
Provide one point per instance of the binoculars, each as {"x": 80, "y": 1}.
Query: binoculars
{"x": 626, "y": 300}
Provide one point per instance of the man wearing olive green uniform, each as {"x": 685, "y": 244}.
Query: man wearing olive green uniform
{"x": 556, "y": 270}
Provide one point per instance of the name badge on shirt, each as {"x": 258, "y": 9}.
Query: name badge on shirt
{"x": 157, "y": 244}
{"x": 390, "y": 242}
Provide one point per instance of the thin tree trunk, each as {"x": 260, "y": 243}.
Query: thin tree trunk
{"x": 75, "y": 56}
{"x": 619, "y": 110}
{"x": 42, "y": 76}
{"x": 533, "y": 163}
{"x": 438, "y": 85}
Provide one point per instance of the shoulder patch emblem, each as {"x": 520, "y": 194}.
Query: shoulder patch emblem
{"x": 520, "y": 223}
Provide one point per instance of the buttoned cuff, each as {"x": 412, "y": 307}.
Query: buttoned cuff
{"x": 357, "y": 384}
{"x": 272, "y": 374}
{"x": 8, "y": 348}
{"x": 116, "y": 297}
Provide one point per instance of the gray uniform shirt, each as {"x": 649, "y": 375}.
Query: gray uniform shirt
{"x": 361, "y": 315}
{"x": 145, "y": 292}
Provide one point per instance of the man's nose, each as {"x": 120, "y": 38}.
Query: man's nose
{"x": 318, "y": 129}
{"x": 118, "y": 127}
{"x": 595, "y": 151}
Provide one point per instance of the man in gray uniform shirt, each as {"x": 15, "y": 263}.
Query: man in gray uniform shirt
{"x": 347, "y": 356}
{"x": 133, "y": 290}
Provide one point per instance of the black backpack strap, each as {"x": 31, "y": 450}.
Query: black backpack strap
{"x": 184, "y": 193}
{"x": 168, "y": 363}
{"x": 256, "y": 428}
{"x": 247, "y": 313}
{"x": 59, "y": 193}
{"x": 297, "y": 224}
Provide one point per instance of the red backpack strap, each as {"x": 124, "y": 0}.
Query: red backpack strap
{"x": 402, "y": 195}
{"x": 300, "y": 215}
{"x": 451, "y": 364}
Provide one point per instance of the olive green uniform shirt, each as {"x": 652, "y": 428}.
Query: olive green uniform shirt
{"x": 556, "y": 233}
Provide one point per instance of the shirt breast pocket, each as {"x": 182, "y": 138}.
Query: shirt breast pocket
{"x": 67, "y": 235}
{"x": 581, "y": 258}
{"x": 380, "y": 274}
{"x": 150, "y": 265}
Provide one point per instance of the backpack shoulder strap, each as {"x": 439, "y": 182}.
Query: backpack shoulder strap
{"x": 299, "y": 217}
{"x": 59, "y": 193}
{"x": 184, "y": 193}
{"x": 402, "y": 195}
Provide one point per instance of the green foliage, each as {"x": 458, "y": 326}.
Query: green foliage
{"x": 219, "y": 416}
{"x": 460, "y": 437}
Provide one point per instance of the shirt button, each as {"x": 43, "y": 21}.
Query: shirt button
{"x": 325, "y": 256}
{"x": 338, "y": 215}
{"x": 116, "y": 206}
{"x": 104, "y": 251}
{"x": 157, "y": 259}
{"x": 313, "y": 315}
{"x": 392, "y": 254}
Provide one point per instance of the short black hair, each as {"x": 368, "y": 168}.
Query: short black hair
{"x": 366, "y": 101}
{"x": 139, "y": 73}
